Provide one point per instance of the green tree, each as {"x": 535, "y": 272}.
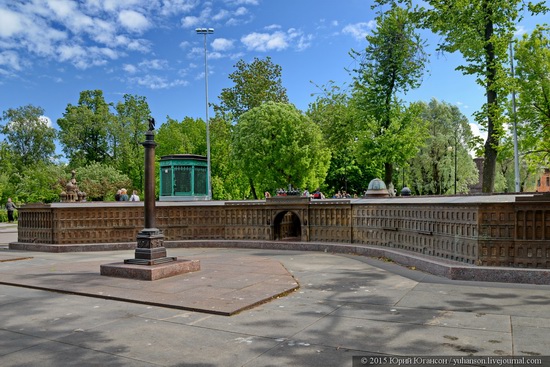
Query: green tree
{"x": 276, "y": 145}
{"x": 529, "y": 167}
{"x": 85, "y": 129}
{"x": 533, "y": 81}
{"x": 392, "y": 63}
{"x": 481, "y": 31}
{"x": 189, "y": 137}
{"x": 100, "y": 181}
{"x": 28, "y": 136}
{"x": 255, "y": 83}
{"x": 228, "y": 180}
{"x": 38, "y": 183}
{"x": 331, "y": 111}
{"x": 6, "y": 171}
{"x": 127, "y": 134}
{"x": 185, "y": 137}
{"x": 445, "y": 155}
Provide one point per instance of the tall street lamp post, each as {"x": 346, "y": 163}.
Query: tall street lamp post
{"x": 205, "y": 32}
{"x": 515, "y": 132}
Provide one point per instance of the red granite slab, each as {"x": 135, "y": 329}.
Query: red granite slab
{"x": 225, "y": 284}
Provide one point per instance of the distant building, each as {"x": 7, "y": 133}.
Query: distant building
{"x": 543, "y": 184}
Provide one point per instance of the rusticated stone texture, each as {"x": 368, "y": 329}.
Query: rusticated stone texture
{"x": 489, "y": 230}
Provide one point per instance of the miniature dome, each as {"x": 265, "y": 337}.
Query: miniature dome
{"x": 405, "y": 191}
{"x": 377, "y": 187}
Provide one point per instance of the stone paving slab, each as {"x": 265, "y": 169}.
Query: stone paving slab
{"x": 326, "y": 322}
{"x": 404, "y": 338}
{"x": 225, "y": 286}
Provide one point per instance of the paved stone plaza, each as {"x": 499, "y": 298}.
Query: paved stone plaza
{"x": 346, "y": 306}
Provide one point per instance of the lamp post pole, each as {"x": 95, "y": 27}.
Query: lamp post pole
{"x": 205, "y": 32}
{"x": 456, "y": 152}
{"x": 514, "y": 119}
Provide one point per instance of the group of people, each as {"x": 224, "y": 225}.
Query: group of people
{"x": 122, "y": 195}
{"x": 343, "y": 195}
{"x": 296, "y": 192}
{"x": 317, "y": 194}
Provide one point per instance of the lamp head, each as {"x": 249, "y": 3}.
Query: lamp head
{"x": 204, "y": 30}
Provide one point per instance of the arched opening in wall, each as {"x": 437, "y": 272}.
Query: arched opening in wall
{"x": 287, "y": 227}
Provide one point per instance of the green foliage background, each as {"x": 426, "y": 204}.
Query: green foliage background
{"x": 348, "y": 135}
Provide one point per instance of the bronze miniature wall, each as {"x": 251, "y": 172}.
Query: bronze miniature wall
{"x": 499, "y": 230}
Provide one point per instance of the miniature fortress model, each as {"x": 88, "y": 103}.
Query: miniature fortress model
{"x": 487, "y": 230}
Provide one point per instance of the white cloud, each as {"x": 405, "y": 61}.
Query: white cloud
{"x": 10, "y": 59}
{"x": 272, "y": 27}
{"x": 265, "y": 41}
{"x": 222, "y": 44}
{"x": 62, "y": 8}
{"x": 115, "y": 5}
{"x": 240, "y": 11}
{"x": 158, "y": 82}
{"x": 222, "y": 14}
{"x": 244, "y": 2}
{"x": 88, "y": 33}
{"x": 359, "y": 30}
{"x": 138, "y": 45}
{"x": 154, "y": 64}
{"x": 85, "y": 57}
{"x": 133, "y": 21}
{"x": 84, "y": 34}
{"x": 129, "y": 68}
{"x": 277, "y": 40}
{"x": 520, "y": 31}
{"x": 190, "y": 21}
{"x": 46, "y": 120}
{"x": 301, "y": 41}
{"x": 67, "y": 52}
{"x": 10, "y": 23}
{"x": 206, "y": 16}
{"x": 477, "y": 131}
{"x": 169, "y": 7}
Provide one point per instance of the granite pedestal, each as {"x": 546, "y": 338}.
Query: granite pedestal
{"x": 150, "y": 272}
{"x": 150, "y": 262}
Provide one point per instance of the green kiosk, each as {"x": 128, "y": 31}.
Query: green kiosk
{"x": 183, "y": 177}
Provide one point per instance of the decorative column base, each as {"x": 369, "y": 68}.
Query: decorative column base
{"x": 150, "y": 249}
{"x": 150, "y": 262}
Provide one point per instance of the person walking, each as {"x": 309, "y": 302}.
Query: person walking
{"x": 10, "y": 207}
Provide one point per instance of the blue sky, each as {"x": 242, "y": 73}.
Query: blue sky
{"x": 51, "y": 50}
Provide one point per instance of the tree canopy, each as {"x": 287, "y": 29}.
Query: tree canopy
{"x": 28, "y": 137}
{"x": 393, "y": 62}
{"x": 332, "y": 112}
{"x": 127, "y": 133}
{"x": 533, "y": 81}
{"x": 481, "y": 31}
{"x": 253, "y": 84}
{"x": 444, "y": 160}
{"x": 277, "y": 146}
{"x": 85, "y": 129}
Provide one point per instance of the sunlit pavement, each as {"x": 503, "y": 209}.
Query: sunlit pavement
{"x": 346, "y": 306}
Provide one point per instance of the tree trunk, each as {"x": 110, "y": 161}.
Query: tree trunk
{"x": 253, "y": 189}
{"x": 388, "y": 173}
{"x": 489, "y": 165}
